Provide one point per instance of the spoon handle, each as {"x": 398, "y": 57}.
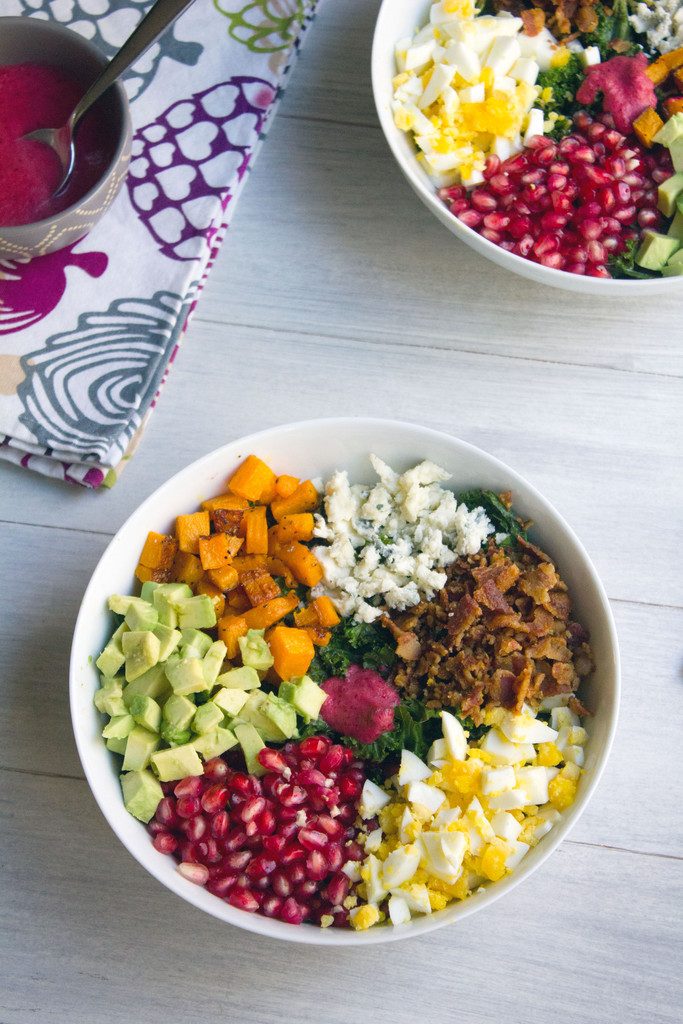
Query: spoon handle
{"x": 162, "y": 14}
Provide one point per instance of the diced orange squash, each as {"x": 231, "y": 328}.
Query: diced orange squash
{"x": 290, "y": 528}
{"x": 187, "y": 568}
{"x": 327, "y": 613}
{"x": 646, "y": 126}
{"x": 255, "y": 530}
{"x": 658, "y": 71}
{"x": 320, "y": 637}
{"x": 205, "y": 586}
{"x": 678, "y": 78}
{"x": 225, "y": 578}
{"x": 230, "y": 629}
{"x": 303, "y": 563}
{"x": 245, "y": 563}
{"x": 145, "y": 574}
{"x": 225, "y": 501}
{"x": 217, "y": 550}
{"x": 266, "y": 615}
{"x": 259, "y": 586}
{"x": 306, "y": 617}
{"x": 268, "y": 494}
{"x": 158, "y": 551}
{"x": 674, "y": 105}
{"x": 286, "y": 485}
{"x": 674, "y": 58}
{"x": 252, "y": 479}
{"x": 227, "y": 520}
{"x": 304, "y": 499}
{"x": 276, "y": 567}
{"x": 237, "y": 601}
{"x": 292, "y": 651}
{"x": 190, "y": 528}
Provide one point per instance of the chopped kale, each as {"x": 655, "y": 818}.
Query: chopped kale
{"x": 354, "y": 643}
{"x": 624, "y": 265}
{"x": 503, "y": 519}
{"x": 613, "y": 25}
{"x": 564, "y": 82}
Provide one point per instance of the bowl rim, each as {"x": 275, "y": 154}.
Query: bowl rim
{"x": 9, "y": 231}
{"x": 310, "y": 934}
{"x": 615, "y": 287}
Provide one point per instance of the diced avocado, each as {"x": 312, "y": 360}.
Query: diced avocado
{"x": 667, "y": 194}
{"x": 655, "y": 250}
{"x": 254, "y": 713}
{"x": 146, "y": 712}
{"x": 207, "y": 718}
{"x": 251, "y": 743}
{"x": 168, "y": 640}
{"x": 230, "y": 701}
{"x": 670, "y": 131}
{"x": 244, "y": 678}
{"x": 213, "y": 661}
{"x": 178, "y": 711}
{"x": 186, "y": 675}
{"x": 141, "y": 794}
{"x": 112, "y": 657}
{"x": 164, "y": 599}
{"x": 119, "y": 727}
{"x": 109, "y": 699}
{"x": 140, "y": 746}
{"x": 674, "y": 267}
{"x": 211, "y": 744}
{"x": 196, "y": 612}
{"x": 141, "y": 648}
{"x": 281, "y": 714}
{"x": 676, "y": 151}
{"x": 174, "y": 736}
{"x": 147, "y": 591}
{"x": 255, "y": 651}
{"x": 141, "y": 615}
{"x": 194, "y": 643}
{"x": 117, "y": 746}
{"x": 152, "y": 684}
{"x": 176, "y": 763}
{"x": 676, "y": 226}
{"x": 305, "y": 696}
{"x": 120, "y": 603}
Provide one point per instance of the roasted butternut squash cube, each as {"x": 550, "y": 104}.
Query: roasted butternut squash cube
{"x": 225, "y": 578}
{"x": 266, "y": 615}
{"x": 158, "y": 551}
{"x": 291, "y": 528}
{"x": 190, "y": 528}
{"x": 259, "y": 586}
{"x": 217, "y": 551}
{"x": 229, "y": 502}
{"x": 320, "y": 636}
{"x": 255, "y": 530}
{"x": 252, "y": 479}
{"x": 303, "y": 563}
{"x": 286, "y": 485}
{"x": 292, "y": 651}
{"x": 646, "y": 126}
{"x": 304, "y": 499}
{"x": 227, "y": 520}
{"x": 673, "y": 105}
{"x": 674, "y": 58}
{"x": 230, "y": 629}
{"x": 326, "y": 611}
{"x": 658, "y": 71}
{"x": 187, "y": 568}
{"x": 237, "y": 601}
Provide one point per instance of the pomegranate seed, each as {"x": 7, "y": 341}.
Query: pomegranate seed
{"x": 314, "y": 746}
{"x": 195, "y": 828}
{"x": 575, "y": 268}
{"x": 310, "y": 777}
{"x": 501, "y": 185}
{"x": 155, "y": 827}
{"x": 552, "y": 221}
{"x": 216, "y": 770}
{"x": 611, "y": 243}
{"x": 316, "y": 865}
{"x": 166, "y": 812}
{"x": 545, "y": 245}
{"x": 483, "y": 201}
{"x": 243, "y": 899}
{"x": 280, "y": 884}
{"x": 524, "y": 245}
{"x": 222, "y": 885}
{"x": 354, "y": 851}
{"x": 238, "y": 860}
{"x": 581, "y": 155}
{"x": 534, "y": 177}
{"x": 330, "y": 826}
{"x": 612, "y": 139}
{"x": 350, "y": 787}
{"x": 492, "y": 166}
{"x": 291, "y": 912}
{"x": 260, "y": 867}
{"x": 471, "y": 218}
{"x": 164, "y": 842}
{"x": 554, "y": 260}
{"x": 337, "y": 889}
{"x": 310, "y": 839}
{"x": 191, "y": 786}
{"x": 544, "y": 157}
{"x": 291, "y": 796}
{"x": 626, "y": 215}
{"x": 253, "y": 806}
{"x": 296, "y": 872}
{"x": 306, "y": 889}
{"x": 589, "y": 228}
{"x": 622, "y": 192}
{"x": 556, "y": 182}
{"x": 496, "y": 221}
{"x": 595, "y": 131}
{"x": 188, "y": 806}
{"x": 291, "y": 853}
{"x": 560, "y": 202}
{"x": 265, "y": 823}
{"x": 196, "y": 873}
{"x": 582, "y": 119}
{"x": 459, "y": 206}
{"x": 593, "y": 271}
{"x": 214, "y": 799}
{"x": 272, "y": 760}
{"x": 240, "y": 784}
{"x": 334, "y": 857}
{"x": 646, "y": 219}
{"x": 577, "y": 254}
{"x": 332, "y": 760}
{"x": 287, "y": 815}
{"x": 220, "y": 824}
{"x": 235, "y": 840}
{"x": 213, "y": 854}
{"x": 274, "y": 845}
{"x": 491, "y": 236}
{"x": 596, "y": 252}
{"x": 271, "y": 906}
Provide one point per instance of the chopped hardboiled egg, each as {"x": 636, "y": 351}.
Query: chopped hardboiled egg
{"x": 469, "y": 819}
{"x": 466, "y": 89}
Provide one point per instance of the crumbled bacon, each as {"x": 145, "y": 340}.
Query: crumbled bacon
{"x": 534, "y": 21}
{"x": 498, "y": 634}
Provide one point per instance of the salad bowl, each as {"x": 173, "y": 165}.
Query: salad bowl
{"x": 321, "y": 446}
{"x": 398, "y": 19}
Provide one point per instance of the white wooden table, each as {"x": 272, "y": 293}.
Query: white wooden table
{"x": 336, "y": 292}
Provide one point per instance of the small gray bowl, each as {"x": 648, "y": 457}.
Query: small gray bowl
{"x": 31, "y": 40}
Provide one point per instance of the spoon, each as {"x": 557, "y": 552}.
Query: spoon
{"x": 61, "y": 140}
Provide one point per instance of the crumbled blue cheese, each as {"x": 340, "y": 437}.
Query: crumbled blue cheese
{"x": 661, "y": 22}
{"x": 388, "y": 544}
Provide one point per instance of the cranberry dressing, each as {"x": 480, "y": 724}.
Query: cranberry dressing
{"x": 38, "y": 96}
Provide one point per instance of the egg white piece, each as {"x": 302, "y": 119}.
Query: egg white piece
{"x": 416, "y": 896}
{"x": 399, "y": 911}
{"x": 421, "y": 795}
{"x": 372, "y": 799}
{"x": 400, "y": 866}
{"x": 506, "y": 826}
{"x": 503, "y": 751}
{"x": 412, "y": 769}
{"x": 497, "y": 780}
{"x": 454, "y": 735}
{"x": 374, "y": 884}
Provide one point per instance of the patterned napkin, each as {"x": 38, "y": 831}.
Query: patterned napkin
{"x": 87, "y": 334}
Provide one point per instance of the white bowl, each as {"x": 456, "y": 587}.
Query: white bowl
{"x": 398, "y": 18}
{"x": 311, "y": 449}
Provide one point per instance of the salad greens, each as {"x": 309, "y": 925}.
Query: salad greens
{"x": 354, "y": 643}
{"x": 613, "y": 25}
{"x": 624, "y": 265}
{"x": 502, "y": 518}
